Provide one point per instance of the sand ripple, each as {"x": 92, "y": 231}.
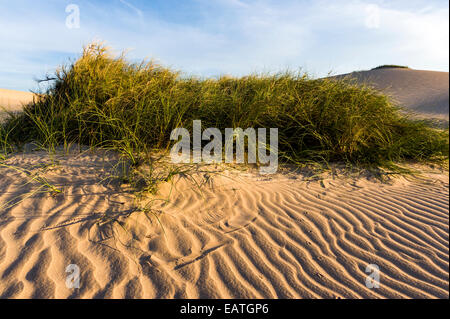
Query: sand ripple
{"x": 238, "y": 236}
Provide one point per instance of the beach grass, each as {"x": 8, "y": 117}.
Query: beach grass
{"x": 390, "y": 66}
{"x": 101, "y": 100}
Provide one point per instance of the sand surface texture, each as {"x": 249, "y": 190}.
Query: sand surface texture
{"x": 223, "y": 235}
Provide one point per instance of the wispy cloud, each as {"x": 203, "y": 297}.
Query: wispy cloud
{"x": 207, "y": 37}
{"x": 129, "y": 5}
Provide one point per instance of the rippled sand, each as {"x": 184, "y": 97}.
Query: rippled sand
{"x": 238, "y": 235}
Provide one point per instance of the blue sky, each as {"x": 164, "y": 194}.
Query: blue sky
{"x": 237, "y": 37}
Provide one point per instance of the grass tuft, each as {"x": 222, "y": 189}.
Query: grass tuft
{"x": 391, "y": 66}
{"x": 105, "y": 101}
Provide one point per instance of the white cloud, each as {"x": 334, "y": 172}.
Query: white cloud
{"x": 237, "y": 36}
{"x": 129, "y": 5}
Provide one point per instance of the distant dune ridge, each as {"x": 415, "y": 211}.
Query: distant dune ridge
{"x": 13, "y": 100}
{"x": 423, "y": 92}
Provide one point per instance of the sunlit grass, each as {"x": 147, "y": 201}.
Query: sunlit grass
{"x": 105, "y": 101}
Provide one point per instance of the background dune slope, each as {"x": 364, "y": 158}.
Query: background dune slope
{"x": 14, "y": 100}
{"x": 424, "y": 92}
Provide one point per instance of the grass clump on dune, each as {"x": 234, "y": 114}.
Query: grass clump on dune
{"x": 105, "y": 101}
{"x": 390, "y": 66}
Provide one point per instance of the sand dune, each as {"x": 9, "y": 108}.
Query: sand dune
{"x": 424, "y": 92}
{"x": 239, "y": 235}
{"x": 14, "y": 100}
